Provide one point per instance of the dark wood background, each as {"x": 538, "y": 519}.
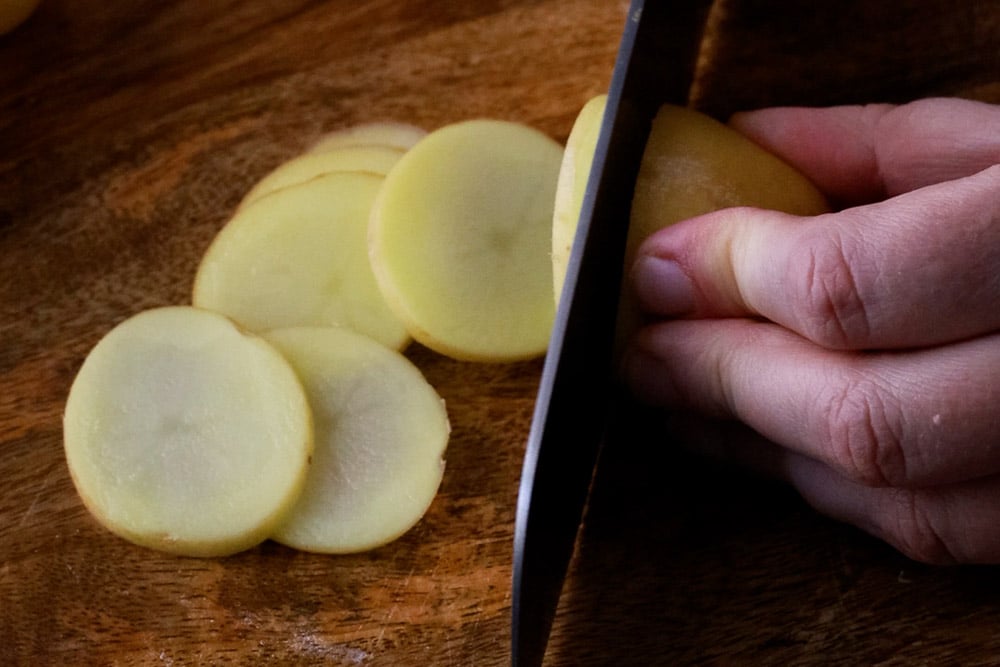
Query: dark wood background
{"x": 129, "y": 131}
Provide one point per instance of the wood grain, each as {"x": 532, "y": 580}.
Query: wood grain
{"x": 129, "y": 131}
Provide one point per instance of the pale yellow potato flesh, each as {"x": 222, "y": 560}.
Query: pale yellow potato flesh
{"x": 372, "y": 159}
{"x": 401, "y": 136}
{"x": 573, "y": 174}
{"x": 185, "y": 434}
{"x": 381, "y": 432}
{"x": 15, "y": 12}
{"x": 298, "y": 257}
{"x": 461, "y": 236}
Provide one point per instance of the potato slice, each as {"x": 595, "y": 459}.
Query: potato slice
{"x": 381, "y": 431}
{"x": 460, "y": 239}
{"x": 373, "y": 159}
{"x": 299, "y": 257}
{"x": 184, "y": 434}
{"x": 401, "y": 136}
{"x": 573, "y": 175}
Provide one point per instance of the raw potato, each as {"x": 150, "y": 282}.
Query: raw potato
{"x": 381, "y": 431}
{"x": 298, "y": 257}
{"x": 15, "y": 12}
{"x": 693, "y": 164}
{"x": 461, "y": 236}
{"x": 401, "y": 136}
{"x": 573, "y": 175}
{"x": 373, "y": 159}
{"x": 184, "y": 434}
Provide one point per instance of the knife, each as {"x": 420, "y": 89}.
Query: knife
{"x": 574, "y": 409}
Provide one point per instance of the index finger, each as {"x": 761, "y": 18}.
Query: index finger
{"x": 916, "y": 270}
{"x": 861, "y": 154}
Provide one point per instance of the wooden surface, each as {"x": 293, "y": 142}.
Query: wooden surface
{"x": 128, "y": 132}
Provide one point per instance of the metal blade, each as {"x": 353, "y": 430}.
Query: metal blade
{"x": 655, "y": 65}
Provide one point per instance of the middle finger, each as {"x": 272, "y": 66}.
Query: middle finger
{"x": 906, "y": 418}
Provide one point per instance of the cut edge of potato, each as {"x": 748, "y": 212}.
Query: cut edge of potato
{"x": 573, "y": 176}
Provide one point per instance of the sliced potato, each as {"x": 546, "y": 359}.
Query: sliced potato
{"x": 573, "y": 175}
{"x": 374, "y": 159}
{"x": 381, "y": 431}
{"x": 185, "y": 434}
{"x": 460, "y": 239}
{"x": 401, "y": 136}
{"x": 299, "y": 257}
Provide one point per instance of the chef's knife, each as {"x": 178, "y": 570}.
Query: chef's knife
{"x": 573, "y": 410}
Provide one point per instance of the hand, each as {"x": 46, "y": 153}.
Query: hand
{"x": 860, "y": 350}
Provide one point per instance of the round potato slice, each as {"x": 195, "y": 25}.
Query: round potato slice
{"x": 461, "y": 237}
{"x": 381, "y": 431}
{"x": 401, "y": 136}
{"x": 572, "y": 184}
{"x": 373, "y": 159}
{"x": 186, "y": 435}
{"x": 298, "y": 257}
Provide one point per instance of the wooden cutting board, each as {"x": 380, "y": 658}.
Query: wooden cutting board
{"x": 128, "y": 133}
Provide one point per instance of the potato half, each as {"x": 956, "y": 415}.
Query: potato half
{"x": 298, "y": 257}
{"x": 184, "y": 434}
{"x": 693, "y": 164}
{"x": 461, "y": 237}
{"x": 381, "y": 431}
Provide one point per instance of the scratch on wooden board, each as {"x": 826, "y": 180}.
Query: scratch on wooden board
{"x": 34, "y": 502}
{"x": 311, "y": 644}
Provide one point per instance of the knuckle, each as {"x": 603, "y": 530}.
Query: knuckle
{"x": 827, "y": 301}
{"x": 915, "y": 533}
{"x": 862, "y": 432}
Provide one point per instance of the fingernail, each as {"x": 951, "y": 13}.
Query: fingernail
{"x": 661, "y": 286}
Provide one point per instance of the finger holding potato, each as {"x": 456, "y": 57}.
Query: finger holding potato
{"x": 861, "y": 347}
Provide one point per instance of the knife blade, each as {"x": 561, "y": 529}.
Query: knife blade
{"x": 574, "y": 407}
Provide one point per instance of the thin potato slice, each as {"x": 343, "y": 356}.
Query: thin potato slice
{"x": 298, "y": 257}
{"x": 381, "y": 431}
{"x": 186, "y": 435}
{"x": 572, "y": 184}
{"x": 373, "y": 159}
{"x": 401, "y": 136}
{"x": 460, "y": 239}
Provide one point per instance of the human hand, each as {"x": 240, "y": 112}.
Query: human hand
{"x": 854, "y": 354}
